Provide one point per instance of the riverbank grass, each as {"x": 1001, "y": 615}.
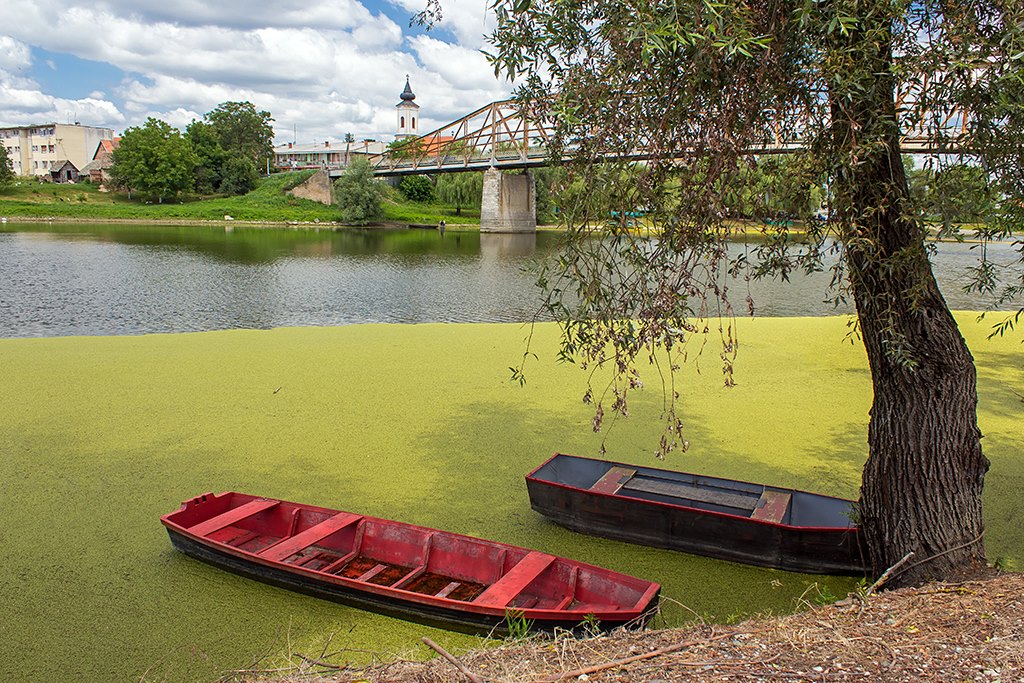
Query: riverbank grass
{"x": 414, "y": 422}
{"x": 269, "y": 203}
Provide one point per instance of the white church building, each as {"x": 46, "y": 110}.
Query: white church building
{"x": 334, "y": 154}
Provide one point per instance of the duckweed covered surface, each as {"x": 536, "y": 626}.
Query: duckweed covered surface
{"x": 103, "y": 435}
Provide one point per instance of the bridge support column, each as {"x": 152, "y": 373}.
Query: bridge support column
{"x": 509, "y": 202}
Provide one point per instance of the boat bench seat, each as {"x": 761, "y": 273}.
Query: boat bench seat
{"x": 232, "y": 516}
{"x": 679, "y": 490}
{"x": 502, "y": 591}
{"x": 287, "y": 547}
{"x": 771, "y": 506}
{"x": 613, "y": 480}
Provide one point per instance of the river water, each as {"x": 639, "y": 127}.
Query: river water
{"x": 115, "y": 279}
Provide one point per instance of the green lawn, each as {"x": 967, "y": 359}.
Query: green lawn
{"x": 267, "y": 203}
{"x": 397, "y": 209}
{"x": 416, "y": 422}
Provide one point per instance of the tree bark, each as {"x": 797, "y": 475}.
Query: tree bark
{"x": 923, "y": 479}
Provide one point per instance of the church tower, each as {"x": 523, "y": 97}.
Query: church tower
{"x": 408, "y": 113}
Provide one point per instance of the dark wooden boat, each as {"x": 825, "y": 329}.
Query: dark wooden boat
{"x": 731, "y": 520}
{"x": 407, "y": 571}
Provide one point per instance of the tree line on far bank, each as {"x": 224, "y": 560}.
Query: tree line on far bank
{"x": 769, "y": 189}
{"x": 220, "y": 154}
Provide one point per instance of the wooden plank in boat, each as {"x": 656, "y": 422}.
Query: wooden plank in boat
{"x": 665, "y": 487}
{"x": 502, "y": 591}
{"x": 366, "y": 576}
{"x": 613, "y": 480}
{"x": 231, "y": 516}
{"x": 447, "y": 590}
{"x": 287, "y": 547}
{"x": 771, "y": 507}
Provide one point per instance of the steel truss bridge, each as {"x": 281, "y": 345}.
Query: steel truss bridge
{"x": 498, "y": 136}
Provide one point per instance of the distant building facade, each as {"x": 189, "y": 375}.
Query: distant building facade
{"x": 98, "y": 170}
{"x": 40, "y": 150}
{"x": 293, "y": 157}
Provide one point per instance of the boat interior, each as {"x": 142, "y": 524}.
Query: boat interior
{"x": 405, "y": 557}
{"x": 755, "y": 501}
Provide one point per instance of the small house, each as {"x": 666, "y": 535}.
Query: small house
{"x": 63, "y": 171}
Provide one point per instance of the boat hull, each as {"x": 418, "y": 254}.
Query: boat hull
{"x": 806, "y": 549}
{"x": 449, "y": 619}
{"x": 401, "y": 570}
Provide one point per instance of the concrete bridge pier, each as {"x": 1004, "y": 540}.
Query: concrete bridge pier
{"x": 509, "y": 202}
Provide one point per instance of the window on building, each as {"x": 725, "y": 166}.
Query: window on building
{"x": 401, "y": 122}
{"x": 35, "y": 148}
{"x": 51, "y": 148}
{"x": 414, "y": 123}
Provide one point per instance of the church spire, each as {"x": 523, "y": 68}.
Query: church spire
{"x": 407, "y": 94}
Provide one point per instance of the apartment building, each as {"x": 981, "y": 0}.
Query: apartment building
{"x": 38, "y": 150}
{"x": 330, "y": 155}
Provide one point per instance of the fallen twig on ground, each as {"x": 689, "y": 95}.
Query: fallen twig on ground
{"x": 455, "y": 662}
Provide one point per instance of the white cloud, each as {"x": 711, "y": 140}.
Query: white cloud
{"x": 14, "y": 54}
{"x": 23, "y": 102}
{"x": 468, "y": 20}
{"x": 21, "y": 106}
{"x": 459, "y": 66}
{"x": 326, "y": 69}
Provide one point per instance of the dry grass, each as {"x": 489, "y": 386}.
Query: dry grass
{"x": 970, "y": 631}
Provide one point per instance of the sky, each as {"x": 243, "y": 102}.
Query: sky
{"x": 322, "y": 69}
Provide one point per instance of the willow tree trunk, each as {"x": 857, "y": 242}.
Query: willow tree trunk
{"x": 922, "y": 483}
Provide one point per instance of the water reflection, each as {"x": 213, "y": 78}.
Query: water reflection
{"x": 113, "y": 279}
{"x": 505, "y": 246}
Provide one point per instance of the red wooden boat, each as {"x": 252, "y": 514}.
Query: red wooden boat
{"x": 407, "y": 571}
{"x": 723, "y": 518}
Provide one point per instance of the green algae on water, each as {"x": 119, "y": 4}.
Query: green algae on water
{"x": 420, "y": 423}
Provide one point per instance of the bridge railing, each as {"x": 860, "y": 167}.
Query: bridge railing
{"x": 498, "y": 135}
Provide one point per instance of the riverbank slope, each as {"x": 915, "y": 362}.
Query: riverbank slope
{"x": 971, "y": 631}
{"x": 267, "y": 204}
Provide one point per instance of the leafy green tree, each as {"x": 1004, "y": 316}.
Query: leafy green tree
{"x": 238, "y": 176}
{"x": 243, "y": 129}
{"x": 154, "y": 160}
{"x": 417, "y": 188}
{"x": 211, "y": 156}
{"x": 697, "y": 84}
{"x": 349, "y": 139}
{"x": 919, "y": 183}
{"x": 549, "y": 182}
{"x": 358, "y": 194}
{"x": 461, "y": 190}
{"x": 6, "y": 168}
{"x": 406, "y": 149}
{"x": 961, "y": 193}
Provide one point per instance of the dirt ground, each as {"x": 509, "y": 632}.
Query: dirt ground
{"x": 970, "y": 631}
